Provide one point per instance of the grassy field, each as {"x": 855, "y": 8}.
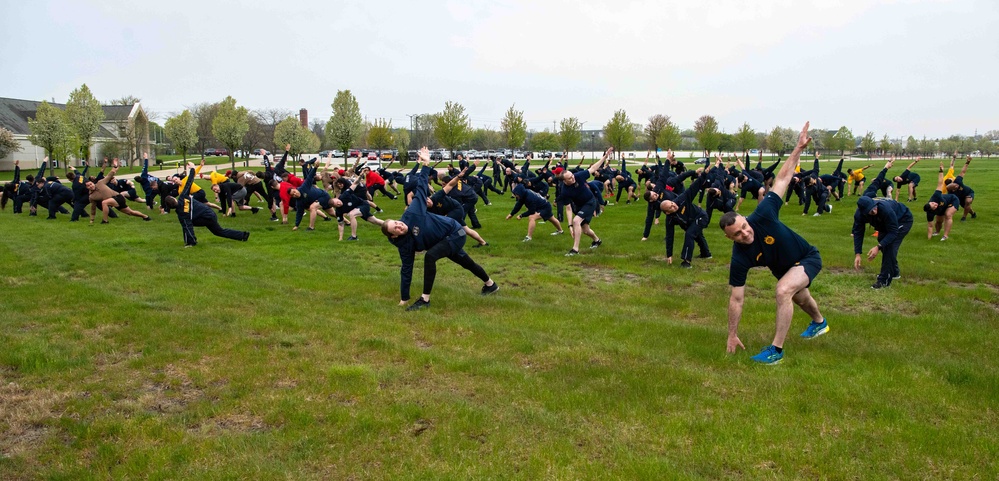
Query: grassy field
{"x": 124, "y": 355}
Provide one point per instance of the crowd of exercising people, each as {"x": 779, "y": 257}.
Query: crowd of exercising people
{"x": 441, "y": 205}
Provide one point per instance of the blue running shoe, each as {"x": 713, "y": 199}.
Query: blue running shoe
{"x": 769, "y": 356}
{"x": 815, "y": 329}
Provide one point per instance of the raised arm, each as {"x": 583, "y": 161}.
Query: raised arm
{"x": 783, "y": 178}
{"x": 41, "y": 170}
{"x": 964, "y": 170}
{"x": 596, "y": 165}
{"x": 188, "y": 182}
{"x": 913, "y": 164}
{"x": 940, "y": 178}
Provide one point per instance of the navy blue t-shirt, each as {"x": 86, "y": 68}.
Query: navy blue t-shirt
{"x": 579, "y": 193}
{"x": 774, "y": 244}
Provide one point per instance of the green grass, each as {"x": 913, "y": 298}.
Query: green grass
{"x": 124, "y": 355}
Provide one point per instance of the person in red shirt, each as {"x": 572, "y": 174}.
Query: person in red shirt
{"x": 289, "y": 181}
{"x": 374, "y": 182}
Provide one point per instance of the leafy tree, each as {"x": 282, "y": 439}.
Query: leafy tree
{"x": 290, "y": 131}
{"x": 84, "y": 115}
{"x": 514, "y": 128}
{"x": 868, "y": 144}
{"x": 776, "y": 142}
{"x": 380, "y": 135}
{"x": 818, "y": 139}
{"x": 204, "y": 114}
{"x": 912, "y": 146}
{"x": 423, "y": 130}
{"x": 619, "y": 132}
{"x": 49, "y": 129}
{"x": 655, "y": 126}
{"x": 948, "y": 146}
{"x": 570, "y": 133}
{"x": 725, "y": 142}
{"x": 318, "y": 127}
{"x": 928, "y": 146}
{"x": 706, "y": 132}
{"x": 269, "y": 118}
{"x": 486, "y": 139}
{"x": 745, "y": 138}
{"x": 842, "y": 141}
{"x": 985, "y": 144}
{"x": 669, "y": 137}
{"x": 544, "y": 140}
{"x": 8, "y": 143}
{"x": 401, "y": 137}
{"x": 230, "y": 125}
{"x": 451, "y": 126}
{"x": 182, "y": 130}
{"x": 885, "y": 145}
{"x": 345, "y": 125}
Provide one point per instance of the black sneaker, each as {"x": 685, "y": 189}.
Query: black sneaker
{"x": 704, "y": 256}
{"x": 255, "y": 209}
{"x": 486, "y": 290}
{"x": 105, "y": 222}
{"x": 379, "y": 210}
{"x": 351, "y": 238}
{"x": 246, "y": 236}
{"x": 419, "y": 304}
{"x": 879, "y": 285}
{"x": 476, "y": 246}
{"x": 596, "y": 243}
{"x": 274, "y": 219}
{"x": 686, "y": 265}
{"x": 571, "y": 253}
{"x": 327, "y": 219}
{"x": 147, "y": 218}
{"x": 310, "y": 228}
{"x": 974, "y": 215}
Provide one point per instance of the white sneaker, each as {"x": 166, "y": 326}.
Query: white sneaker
{"x": 943, "y": 238}
{"x": 558, "y": 232}
{"x": 816, "y": 214}
{"x": 527, "y": 239}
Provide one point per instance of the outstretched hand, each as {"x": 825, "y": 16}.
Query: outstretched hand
{"x": 803, "y": 138}
{"x": 733, "y": 342}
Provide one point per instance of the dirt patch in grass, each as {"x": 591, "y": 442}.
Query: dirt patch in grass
{"x": 232, "y": 423}
{"x": 171, "y": 394}
{"x": 610, "y": 275}
{"x": 24, "y": 413}
{"x": 14, "y": 281}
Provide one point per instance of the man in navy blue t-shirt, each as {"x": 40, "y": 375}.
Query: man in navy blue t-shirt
{"x": 580, "y": 203}
{"x": 763, "y": 240}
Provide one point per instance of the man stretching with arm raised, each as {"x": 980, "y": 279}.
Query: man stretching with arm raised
{"x": 762, "y": 240}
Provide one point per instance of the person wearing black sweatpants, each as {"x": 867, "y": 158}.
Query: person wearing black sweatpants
{"x": 418, "y": 230}
{"x": 192, "y": 213}
{"x": 893, "y": 221}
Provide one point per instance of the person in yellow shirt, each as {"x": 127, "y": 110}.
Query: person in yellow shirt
{"x": 197, "y": 192}
{"x": 856, "y": 177}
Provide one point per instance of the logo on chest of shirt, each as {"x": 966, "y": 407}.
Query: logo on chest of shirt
{"x": 416, "y": 230}
{"x": 769, "y": 240}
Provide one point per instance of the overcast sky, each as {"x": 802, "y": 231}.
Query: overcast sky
{"x": 901, "y": 67}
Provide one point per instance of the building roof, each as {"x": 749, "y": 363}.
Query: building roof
{"x": 14, "y": 115}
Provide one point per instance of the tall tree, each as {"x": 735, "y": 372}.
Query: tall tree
{"x": 912, "y": 146}
{"x": 230, "y": 125}
{"x": 706, "y": 133}
{"x": 182, "y": 130}
{"x": 485, "y": 139}
{"x": 928, "y": 146}
{"x": 544, "y": 140}
{"x": 269, "y": 119}
{"x": 256, "y": 135}
{"x": 843, "y": 141}
{"x": 985, "y": 144}
{"x": 8, "y": 143}
{"x": 290, "y": 132}
{"x": 655, "y": 126}
{"x": 570, "y": 133}
{"x": 84, "y": 114}
{"x": 318, "y": 127}
{"x": 204, "y": 114}
{"x": 745, "y": 138}
{"x": 380, "y": 135}
{"x": 514, "y": 128}
{"x": 451, "y": 126}
{"x": 401, "y": 138}
{"x": 777, "y": 142}
{"x": 670, "y": 136}
{"x": 868, "y": 144}
{"x": 345, "y": 125}
{"x": 619, "y": 131}
{"x": 49, "y": 129}
{"x": 885, "y": 145}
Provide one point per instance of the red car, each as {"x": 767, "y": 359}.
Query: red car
{"x": 353, "y": 153}
{"x": 372, "y": 156}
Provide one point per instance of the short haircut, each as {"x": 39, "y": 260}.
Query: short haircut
{"x": 647, "y": 196}
{"x": 385, "y": 228}
{"x": 727, "y": 219}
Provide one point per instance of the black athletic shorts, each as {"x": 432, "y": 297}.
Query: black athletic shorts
{"x": 120, "y": 199}
{"x": 586, "y": 211}
{"x": 546, "y": 212}
{"x": 812, "y": 264}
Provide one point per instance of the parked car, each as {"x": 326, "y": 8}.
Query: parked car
{"x": 353, "y": 153}
{"x": 261, "y": 152}
{"x": 387, "y": 155}
{"x": 209, "y": 152}
{"x": 703, "y": 161}
{"x": 372, "y": 156}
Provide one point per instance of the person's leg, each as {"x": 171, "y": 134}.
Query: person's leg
{"x": 556, "y": 223}
{"x": 106, "y": 207}
{"x": 967, "y": 207}
{"x": 687, "y": 251}
{"x": 133, "y": 213}
{"x": 214, "y": 227}
{"x": 792, "y": 289}
{"x": 353, "y": 222}
{"x": 434, "y": 253}
{"x": 577, "y": 232}
{"x": 949, "y": 221}
{"x": 589, "y": 232}
{"x": 469, "y": 206}
{"x": 531, "y": 222}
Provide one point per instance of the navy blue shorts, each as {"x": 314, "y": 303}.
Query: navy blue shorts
{"x": 586, "y": 211}
{"x": 812, "y": 265}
